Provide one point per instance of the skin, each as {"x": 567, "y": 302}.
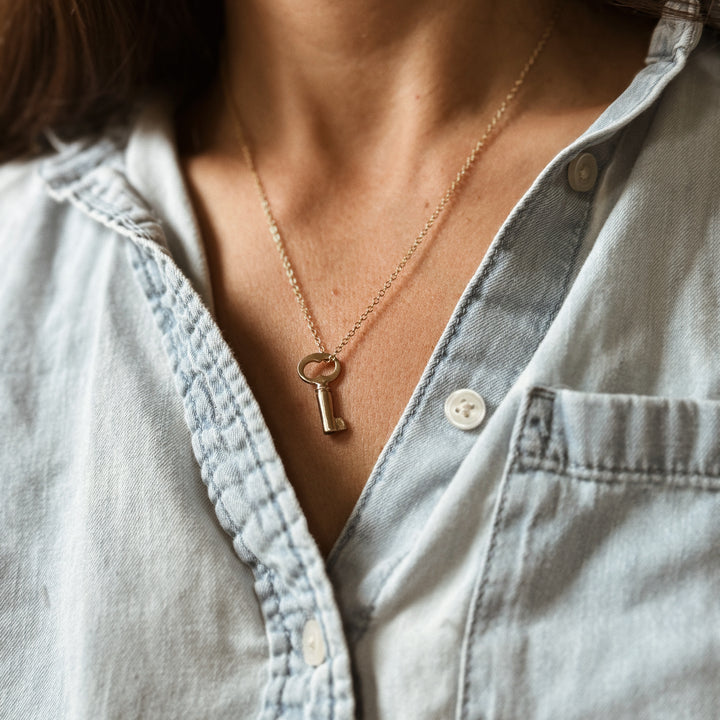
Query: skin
{"x": 359, "y": 113}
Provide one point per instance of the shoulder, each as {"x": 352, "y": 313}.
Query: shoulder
{"x": 35, "y": 232}
{"x": 680, "y": 157}
{"x": 58, "y": 259}
{"x": 704, "y": 61}
{"x": 23, "y": 197}
{"x": 16, "y": 176}
{"x": 31, "y": 226}
{"x": 692, "y": 100}
{"x": 41, "y": 212}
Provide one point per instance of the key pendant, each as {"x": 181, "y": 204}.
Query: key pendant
{"x": 330, "y": 423}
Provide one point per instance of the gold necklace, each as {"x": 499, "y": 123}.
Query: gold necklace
{"x": 330, "y": 423}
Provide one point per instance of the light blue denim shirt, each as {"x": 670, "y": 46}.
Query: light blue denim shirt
{"x": 561, "y": 560}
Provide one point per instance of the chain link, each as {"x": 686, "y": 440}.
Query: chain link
{"x": 442, "y": 204}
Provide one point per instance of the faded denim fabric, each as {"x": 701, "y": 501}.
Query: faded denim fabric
{"x": 560, "y": 561}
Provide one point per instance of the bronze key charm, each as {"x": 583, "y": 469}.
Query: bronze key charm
{"x": 330, "y": 423}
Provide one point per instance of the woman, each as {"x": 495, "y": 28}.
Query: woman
{"x": 504, "y": 505}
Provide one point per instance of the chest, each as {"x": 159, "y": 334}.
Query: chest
{"x": 341, "y": 257}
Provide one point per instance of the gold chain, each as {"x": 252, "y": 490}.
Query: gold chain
{"x": 442, "y": 204}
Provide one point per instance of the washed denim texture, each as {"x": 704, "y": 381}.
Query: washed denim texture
{"x": 559, "y": 561}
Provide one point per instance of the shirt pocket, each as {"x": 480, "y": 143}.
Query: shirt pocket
{"x": 599, "y": 595}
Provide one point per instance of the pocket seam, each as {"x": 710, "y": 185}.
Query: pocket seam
{"x": 668, "y": 477}
{"x": 545, "y": 449}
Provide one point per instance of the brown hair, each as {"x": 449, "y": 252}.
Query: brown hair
{"x": 71, "y": 64}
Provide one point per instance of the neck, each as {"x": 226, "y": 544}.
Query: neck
{"x": 338, "y": 75}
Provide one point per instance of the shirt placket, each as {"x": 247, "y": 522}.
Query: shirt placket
{"x": 308, "y": 666}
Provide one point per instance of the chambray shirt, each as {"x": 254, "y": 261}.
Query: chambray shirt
{"x": 561, "y": 560}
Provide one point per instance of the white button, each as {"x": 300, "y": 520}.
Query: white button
{"x": 465, "y": 409}
{"x": 583, "y": 172}
{"x": 313, "y": 645}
